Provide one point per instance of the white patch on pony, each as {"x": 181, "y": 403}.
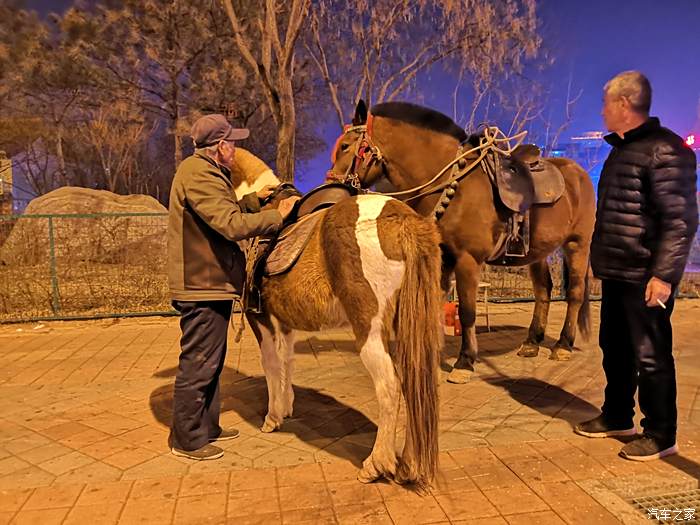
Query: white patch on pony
{"x": 384, "y": 277}
{"x": 383, "y": 274}
{"x": 266, "y": 178}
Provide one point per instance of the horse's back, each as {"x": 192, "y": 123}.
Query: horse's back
{"x": 575, "y": 177}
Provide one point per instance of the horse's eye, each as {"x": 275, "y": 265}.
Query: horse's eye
{"x": 344, "y": 147}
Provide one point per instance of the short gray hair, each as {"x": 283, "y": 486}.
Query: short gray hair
{"x": 634, "y": 86}
{"x": 209, "y": 150}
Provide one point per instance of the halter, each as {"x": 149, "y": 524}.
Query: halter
{"x": 365, "y": 153}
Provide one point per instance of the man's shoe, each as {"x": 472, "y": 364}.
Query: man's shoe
{"x": 648, "y": 448}
{"x": 226, "y": 434}
{"x": 598, "y": 427}
{"x": 201, "y": 454}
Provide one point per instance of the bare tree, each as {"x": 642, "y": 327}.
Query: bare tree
{"x": 266, "y": 34}
{"x": 146, "y": 51}
{"x": 378, "y": 49}
{"x": 115, "y": 133}
{"x": 552, "y": 137}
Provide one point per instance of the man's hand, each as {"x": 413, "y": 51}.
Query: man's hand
{"x": 286, "y": 205}
{"x": 657, "y": 291}
{"x": 265, "y": 192}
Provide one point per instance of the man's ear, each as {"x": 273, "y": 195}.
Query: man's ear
{"x": 625, "y": 103}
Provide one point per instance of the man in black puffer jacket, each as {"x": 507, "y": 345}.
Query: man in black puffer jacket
{"x": 646, "y": 221}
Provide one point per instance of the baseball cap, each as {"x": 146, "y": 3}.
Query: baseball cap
{"x": 210, "y": 129}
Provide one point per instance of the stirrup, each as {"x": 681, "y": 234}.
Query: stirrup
{"x": 253, "y": 301}
{"x": 516, "y": 242}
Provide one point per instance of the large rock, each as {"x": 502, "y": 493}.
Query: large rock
{"x": 88, "y": 235}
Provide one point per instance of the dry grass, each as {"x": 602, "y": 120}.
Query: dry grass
{"x": 118, "y": 265}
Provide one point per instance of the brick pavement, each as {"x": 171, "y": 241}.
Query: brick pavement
{"x": 85, "y": 408}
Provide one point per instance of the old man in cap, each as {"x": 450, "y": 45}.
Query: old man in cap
{"x": 206, "y": 272}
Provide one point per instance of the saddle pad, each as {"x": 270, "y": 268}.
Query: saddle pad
{"x": 549, "y": 182}
{"x": 291, "y": 243}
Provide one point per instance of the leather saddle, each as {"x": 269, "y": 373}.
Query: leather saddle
{"x": 521, "y": 180}
{"x": 277, "y": 255}
{"x": 525, "y": 178}
{"x": 547, "y": 178}
{"x": 285, "y": 248}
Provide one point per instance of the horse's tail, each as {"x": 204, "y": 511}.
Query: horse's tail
{"x": 419, "y": 341}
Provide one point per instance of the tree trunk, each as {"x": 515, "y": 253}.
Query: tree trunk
{"x": 178, "y": 148}
{"x": 286, "y": 135}
{"x": 59, "y": 155}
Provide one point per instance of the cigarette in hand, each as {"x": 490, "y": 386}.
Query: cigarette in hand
{"x": 662, "y": 305}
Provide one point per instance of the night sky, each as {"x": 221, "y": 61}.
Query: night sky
{"x": 593, "y": 40}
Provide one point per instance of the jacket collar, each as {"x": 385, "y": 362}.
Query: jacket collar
{"x": 224, "y": 170}
{"x": 652, "y": 124}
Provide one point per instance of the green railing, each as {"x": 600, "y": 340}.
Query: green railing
{"x": 81, "y": 266}
{"x": 76, "y": 266}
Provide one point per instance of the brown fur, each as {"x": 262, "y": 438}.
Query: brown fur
{"x": 327, "y": 288}
{"x": 473, "y": 222}
{"x": 418, "y": 336}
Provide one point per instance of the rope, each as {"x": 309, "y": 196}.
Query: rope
{"x": 493, "y": 140}
{"x": 251, "y": 254}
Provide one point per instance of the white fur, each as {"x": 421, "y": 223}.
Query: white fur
{"x": 384, "y": 277}
{"x": 266, "y": 178}
{"x": 277, "y": 356}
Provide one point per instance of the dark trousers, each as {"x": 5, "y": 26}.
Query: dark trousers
{"x": 196, "y": 404}
{"x": 637, "y": 341}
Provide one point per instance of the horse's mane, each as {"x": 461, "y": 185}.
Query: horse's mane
{"x": 474, "y": 139}
{"x": 421, "y": 117}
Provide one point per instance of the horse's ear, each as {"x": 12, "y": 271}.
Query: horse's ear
{"x": 360, "y": 117}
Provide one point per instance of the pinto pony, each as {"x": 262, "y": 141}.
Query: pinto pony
{"x": 374, "y": 264}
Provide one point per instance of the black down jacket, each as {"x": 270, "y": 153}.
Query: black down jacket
{"x": 647, "y": 212}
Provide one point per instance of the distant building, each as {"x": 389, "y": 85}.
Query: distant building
{"x": 588, "y": 149}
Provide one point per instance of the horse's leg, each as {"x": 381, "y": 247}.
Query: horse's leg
{"x": 375, "y": 356}
{"x": 542, "y": 286}
{"x": 467, "y": 274}
{"x": 576, "y": 255}
{"x": 270, "y": 338}
{"x": 288, "y": 370}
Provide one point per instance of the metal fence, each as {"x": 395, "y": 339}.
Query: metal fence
{"x": 114, "y": 264}
{"x": 83, "y": 266}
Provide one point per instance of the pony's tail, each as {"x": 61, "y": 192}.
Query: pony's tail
{"x": 419, "y": 341}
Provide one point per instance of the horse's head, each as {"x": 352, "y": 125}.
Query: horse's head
{"x": 355, "y": 159}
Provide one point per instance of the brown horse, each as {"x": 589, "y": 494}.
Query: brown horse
{"x": 407, "y": 146}
{"x": 374, "y": 264}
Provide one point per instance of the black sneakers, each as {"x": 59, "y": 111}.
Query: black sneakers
{"x": 648, "y": 448}
{"x": 598, "y": 427}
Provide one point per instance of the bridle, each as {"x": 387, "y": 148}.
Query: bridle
{"x": 492, "y": 144}
{"x": 365, "y": 154}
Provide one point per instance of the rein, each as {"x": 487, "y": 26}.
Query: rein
{"x": 494, "y": 141}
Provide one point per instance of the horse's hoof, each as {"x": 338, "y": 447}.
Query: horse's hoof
{"x": 269, "y": 426}
{"x": 528, "y": 350}
{"x": 366, "y": 475}
{"x": 560, "y": 354}
{"x": 460, "y": 376}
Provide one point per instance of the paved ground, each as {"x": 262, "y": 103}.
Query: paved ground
{"x": 85, "y": 407}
